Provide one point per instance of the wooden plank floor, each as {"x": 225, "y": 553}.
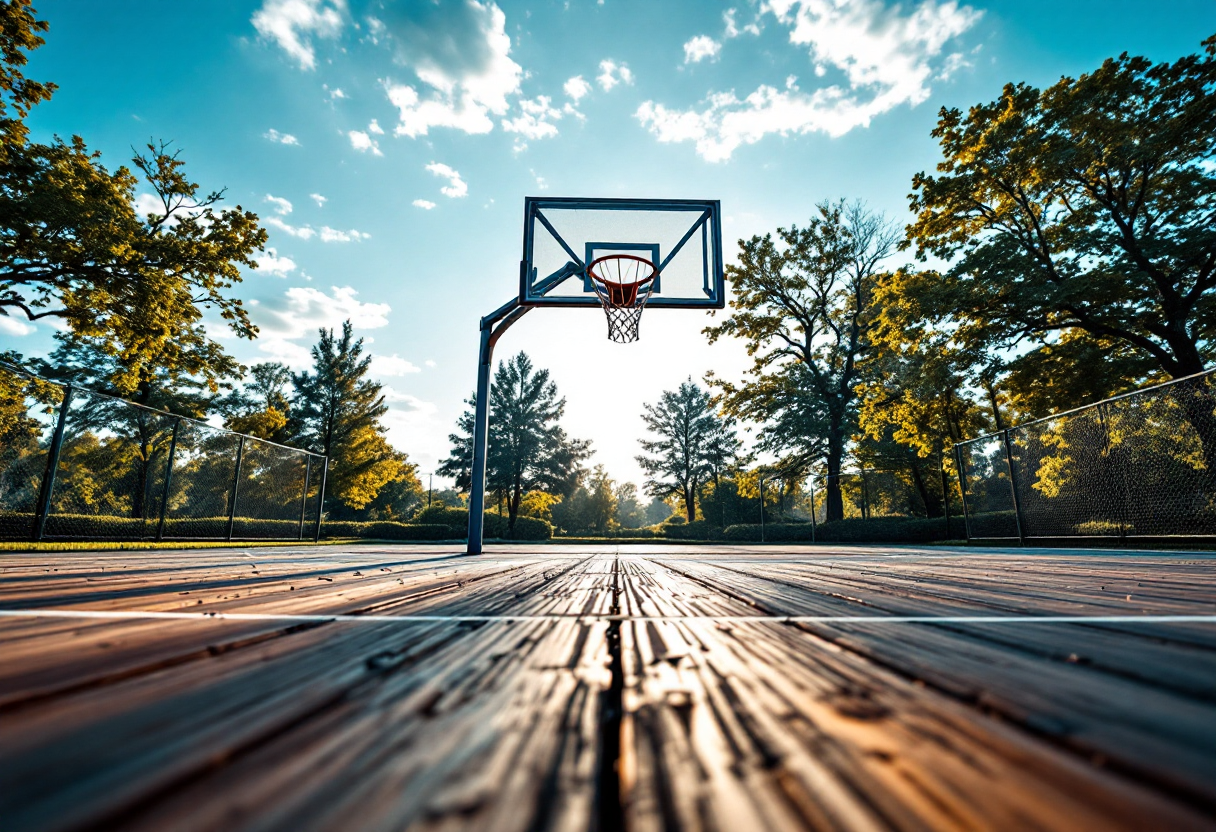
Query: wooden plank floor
{"x": 639, "y": 687}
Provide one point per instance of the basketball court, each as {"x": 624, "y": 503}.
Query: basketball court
{"x": 601, "y": 687}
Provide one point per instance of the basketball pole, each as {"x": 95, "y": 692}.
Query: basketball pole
{"x": 504, "y": 316}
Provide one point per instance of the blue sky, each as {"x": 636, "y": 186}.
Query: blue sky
{"x": 388, "y": 147}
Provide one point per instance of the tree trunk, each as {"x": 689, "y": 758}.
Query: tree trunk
{"x": 929, "y": 499}
{"x": 835, "y": 501}
{"x": 517, "y": 495}
{"x": 690, "y": 501}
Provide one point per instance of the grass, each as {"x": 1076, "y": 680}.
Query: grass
{"x": 133, "y": 546}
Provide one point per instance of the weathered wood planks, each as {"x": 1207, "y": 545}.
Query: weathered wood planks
{"x": 598, "y": 688}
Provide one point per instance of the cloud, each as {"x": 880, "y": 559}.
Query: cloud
{"x": 281, "y": 138}
{"x": 887, "y": 56}
{"x": 275, "y": 265}
{"x": 363, "y": 143}
{"x": 424, "y": 204}
{"x": 12, "y": 326}
{"x": 460, "y": 54}
{"x": 281, "y": 206}
{"x": 293, "y": 24}
{"x": 145, "y": 203}
{"x": 326, "y": 234}
{"x": 302, "y": 310}
{"x": 541, "y": 184}
{"x": 303, "y": 232}
{"x": 333, "y": 235}
{"x": 374, "y": 127}
{"x": 700, "y": 48}
{"x": 536, "y": 118}
{"x": 732, "y": 29}
{"x": 576, "y": 87}
{"x": 393, "y": 365}
{"x": 456, "y": 186}
{"x": 336, "y": 92}
{"x": 317, "y": 198}
{"x": 430, "y": 364}
{"x": 612, "y": 73}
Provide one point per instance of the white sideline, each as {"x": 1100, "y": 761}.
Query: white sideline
{"x": 740, "y": 619}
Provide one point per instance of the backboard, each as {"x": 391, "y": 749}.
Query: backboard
{"x": 682, "y": 237}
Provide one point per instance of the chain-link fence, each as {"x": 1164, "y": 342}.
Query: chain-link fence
{"x": 922, "y": 489}
{"x": 79, "y": 465}
{"x": 1141, "y": 465}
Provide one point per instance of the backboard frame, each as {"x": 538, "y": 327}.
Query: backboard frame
{"x": 534, "y": 290}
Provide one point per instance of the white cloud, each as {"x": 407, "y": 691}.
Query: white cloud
{"x": 701, "y": 47}
{"x": 732, "y": 29}
{"x": 536, "y": 117}
{"x": 424, "y": 204}
{"x": 327, "y": 234}
{"x": 374, "y": 127}
{"x": 541, "y": 184}
{"x": 281, "y": 206}
{"x": 576, "y": 87}
{"x": 887, "y": 56}
{"x": 317, "y": 198}
{"x": 303, "y": 232}
{"x": 334, "y": 235}
{"x": 456, "y": 186}
{"x": 293, "y": 24}
{"x": 281, "y": 138}
{"x": 393, "y": 365}
{"x": 363, "y": 143}
{"x": 430, "y": 364}
{"x": 460, "y": 54}
{"x": 612, "y": 73}
{"x": 336, "y": 92}
{"x": 274, "y": 264}
{"x": 12, "y": 326}
{"x": 145, "y": 204}
{"x": 302, "y": 310}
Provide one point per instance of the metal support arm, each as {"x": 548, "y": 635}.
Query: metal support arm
{"x": 492, "y": 328}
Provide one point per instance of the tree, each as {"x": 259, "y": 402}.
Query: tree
{"x": 602, "y": 504}
{"x": 804, "y": 307}
{"x": 630, "y": 514}
{"x": 73, "y": 247}
{"x": 338, "y": 410}
{"x": 1087, "y": 206}
{"x": 262, "y": 408}
{"x": 690, "y": 439}
{"x": 527, "y": 447}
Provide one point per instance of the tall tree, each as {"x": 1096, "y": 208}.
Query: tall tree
{"x": 339, "y": 409}
{"x": 1087, "y": 206}
{"x": 528, "y": 449}
{"x": 262, "y": 407}
{"x": 803, "y": 304}
{"x": 689, "y": 440}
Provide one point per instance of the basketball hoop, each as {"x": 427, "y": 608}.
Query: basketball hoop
{"x": 623, "y": 283}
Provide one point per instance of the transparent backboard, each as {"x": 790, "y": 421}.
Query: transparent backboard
{"x": 682, "y": 237}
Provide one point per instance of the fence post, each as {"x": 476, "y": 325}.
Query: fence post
{"x": 164, "y": 497}
{"x": 1110, "y": 459}
{"x": 813, "y": 532}
{"x": 43, "y": 507}
{"x": 1013, "y": 488}
{"x": 236, "y": 480}
{"x": 304, "y": 495}
{"x": 962, "y": 490}
{"x": 316, "y": 534}
{"x": 941, "y": 467}
{"x": 761, "y": 508}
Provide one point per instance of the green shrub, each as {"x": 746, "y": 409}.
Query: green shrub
{"x": 386, "y": 530}
{"x": 851, "y": 530}
{"x": 457, "y": 519}
{"x": 696, "y": 530}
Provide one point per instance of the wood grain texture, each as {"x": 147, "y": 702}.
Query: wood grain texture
{"x": 601, "y": 687}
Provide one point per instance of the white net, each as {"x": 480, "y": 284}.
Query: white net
{"x": 623, "y": 283}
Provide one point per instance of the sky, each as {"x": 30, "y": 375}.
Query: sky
{"x": 388, "y": 146}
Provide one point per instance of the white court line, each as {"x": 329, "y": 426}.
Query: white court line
{"x": 740, "y": 619}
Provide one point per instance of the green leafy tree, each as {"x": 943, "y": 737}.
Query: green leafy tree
{"x": 804, "y": 306}
{"x": 690, "y": 439}
{"x": 262, "y": 407}
{"x": 338, "y": 410}
{"x": 528, "y": 449}
{"x": 602, "y": 504}
{"x": 1087, "y": 206}
{"x": 73, "y": 247}
{"x": 630, "y": 513}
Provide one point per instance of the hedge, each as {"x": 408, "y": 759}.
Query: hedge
{"x": 851, "y": 530}
{"x": 457, "y": 521}
{"x": 19, "y": 526}
{"x": 696, "y": 530}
